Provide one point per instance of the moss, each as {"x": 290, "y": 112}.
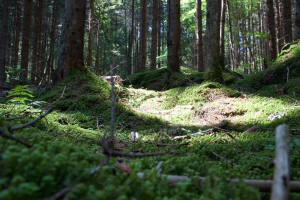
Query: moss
{"x": 163, "y": 79}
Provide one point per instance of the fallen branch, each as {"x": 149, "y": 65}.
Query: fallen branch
{"x": 208, "y": 131}
{"x": 21, "y": 126}
{"x": 222, "y": 158}
{"x": 252, "y": 129}
{"x": 262, "y": 185}
{"x": 60, "y": 194}
{"x": 13, "y": 138}
{"x": 280, "y": 188}
{"x": 138, "y": 155}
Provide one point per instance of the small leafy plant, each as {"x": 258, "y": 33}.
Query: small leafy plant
{"x": 21, "y": 94}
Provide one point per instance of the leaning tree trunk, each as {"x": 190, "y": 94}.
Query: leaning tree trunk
{"x": 173, "y": 35}
{"x": 212, "y": 41}
{"x": 72, "y": 40}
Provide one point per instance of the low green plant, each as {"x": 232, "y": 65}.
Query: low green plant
{"x": 21, "y": 94}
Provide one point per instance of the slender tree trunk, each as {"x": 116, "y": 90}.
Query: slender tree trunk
{"x": 199, "y": 40}
{"x": 174, "y": 33}
{"x": 159, "y": 19}
{"x": 143, "y": 37}
{"x": 130, "y": 40}
{"x": 17, "y": 30}
{"x": 212, "y": 41}
{"x": 3, "y": 40}
{"x": 50, "y": 62}
{"x": 72, "y": 40}
{"x": 154, "y": 34}
{"x": 287, "y": 14}
{"x": 272, "y": 31}
{"x": 97, "y": 61}
{"x": 297, "y": 20}
{"x": 91, "y": 34}
{"x": 26, "y": 40}
{"x": 222, "y": 34}
{"x": 280, "y": 25}
{"x": 230, "y": 36}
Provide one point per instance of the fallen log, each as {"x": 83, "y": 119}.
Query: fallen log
{"x": 262, "y": 185}
{"x": 281, "y": 184}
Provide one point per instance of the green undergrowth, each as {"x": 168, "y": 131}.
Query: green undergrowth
{"x": 285, "y": 68}
{"x": 66, "y": 142}
{"x": 162, "y": 79}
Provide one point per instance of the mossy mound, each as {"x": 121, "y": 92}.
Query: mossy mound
{"x": 163, "y": 79}
{"x": 285, "y": 67}
{"x": 81, "y": 90}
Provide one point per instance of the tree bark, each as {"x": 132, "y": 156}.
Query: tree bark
{"x": 17, "y": 30}
{"x": 154, "y": 34}
{"x": 143, "y": 37}
{"x": 199, "y": 39}
{"x": 272, "y": 31}
{"x": 174, "y": 33}
{"x": 3, "y": 41}
{"x": 91, "y": 34}
{"x": 72, "y": 40}
{"x": 27, "y": 21}
{"x": 297, "y": 20}
{"x": 222, "y": 34}
{"x": 287, "y": 14}
{"x": 279, "y": 23}
{"x": 212, "y": 41}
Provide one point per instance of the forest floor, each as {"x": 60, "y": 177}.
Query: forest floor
{"x": 65, "y": 152}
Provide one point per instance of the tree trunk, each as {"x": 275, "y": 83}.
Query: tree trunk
{"x": 230, "y": 37}
{"x": 50, "y": 62}
{"x": 3, "y": 40}
{"x": 199, "y": 40}
{"x": 280, "y": 25}
{"x": 222, "y": 34}
{"x": 297, "y": 20}
{"x": 159, "y": 19}
{"x": 212, "y": 41}
{"x": 17, "y": 34}
{"x": 143, "y": 37}
{"x": 130, "y": 40}
{"x": 287, "y": 14}
{"x": 154, "y": 34}
{"x": 26, "y": 40}
{"x": 272, "y": 31}
{"x": 72, "y": 40}
{"x": 91, "y": 34}
{"x": 174, "y": 33}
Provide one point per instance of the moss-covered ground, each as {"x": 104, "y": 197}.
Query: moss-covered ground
{"x": 66, "y": 143}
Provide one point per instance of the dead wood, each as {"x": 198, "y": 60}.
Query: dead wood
{"x": 262, "y": 185}
{"x": 13, "y": 138}
{"x": 208, "y": 131}
{"x": 21, "y": 126}
{"x": 60, "y": 194}
{"x": 252, "y": 129}
{"x": 280, "y": 188}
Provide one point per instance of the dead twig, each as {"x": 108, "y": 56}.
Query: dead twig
{"x": 262, "y": 185}
{"x": 21, "y": 126}
{"x": 60, "y": 194}
{"x": 252, "y": 129}
{"x": 13, "y": 138}
{"x": 208, "y": 131}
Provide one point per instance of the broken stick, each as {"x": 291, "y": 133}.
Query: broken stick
{"x": 280, "y": 188}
